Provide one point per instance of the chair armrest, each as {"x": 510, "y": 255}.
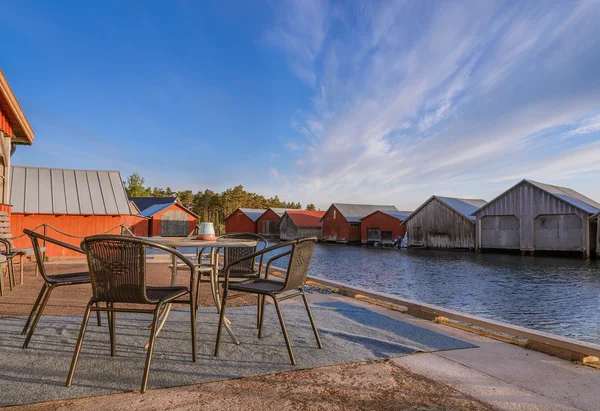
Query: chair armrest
{"x": 259, "y": 253}
{"x": 33, "y": 234}
{"x": 277, "y": 257}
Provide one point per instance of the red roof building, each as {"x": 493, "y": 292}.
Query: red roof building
{"x": 296, "y": 224}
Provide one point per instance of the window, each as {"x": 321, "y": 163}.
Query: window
{"x": 354, "y": 224}
{"x": 334, "y": 214}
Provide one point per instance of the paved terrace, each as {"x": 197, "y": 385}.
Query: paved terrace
{"x": 489, "y": 375}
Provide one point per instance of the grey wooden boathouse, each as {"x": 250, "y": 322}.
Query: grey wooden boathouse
{"x": 533, "y": 216}
{"x": 443, "y": 223}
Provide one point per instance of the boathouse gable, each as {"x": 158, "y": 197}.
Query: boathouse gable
{"x": 267, "y": 223}
{"x": 342, "y": 222}
{"x": 243, "y": 220}
{"x": 383, "y": 227}
{"x": 443, "y": 223}
{"x": 533, "y": 216}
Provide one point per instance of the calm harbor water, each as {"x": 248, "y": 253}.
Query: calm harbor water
{"x": 557, "y": 295}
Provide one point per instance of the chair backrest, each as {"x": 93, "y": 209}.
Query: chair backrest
{"x": 235, "y": 253}
{"x": 302, "y": 252}
{"x": 117, "y": 267}
{"x": 5, "y": 232}
{"x": 39, "y": 257}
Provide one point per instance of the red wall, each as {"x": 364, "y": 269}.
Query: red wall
{"x": 239, "y": 222}
{"x": 338, "y": 229}
{"x": 78, "y": 225}
{"x": 156, "y": 221}
{"x": 384, "y": 222}
{"x": 269, "y": 215}
{"x": 5, "y": 126}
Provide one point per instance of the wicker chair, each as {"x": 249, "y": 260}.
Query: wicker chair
{"x": 50, "y": 281}
{"x": 245, "y": 269}
{"x": 300, "y": 254}
{"x": 118, "y": 271}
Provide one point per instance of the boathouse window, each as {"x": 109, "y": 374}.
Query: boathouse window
{"x": 334, "y": 214}
{"x": 354, "y": 224}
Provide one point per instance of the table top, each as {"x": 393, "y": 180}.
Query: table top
{"x": 177, "y": 242}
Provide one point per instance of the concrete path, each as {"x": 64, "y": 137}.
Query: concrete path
{"x": 506, "y": 376}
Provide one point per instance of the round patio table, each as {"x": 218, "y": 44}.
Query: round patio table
{"x": 214, "y": 247}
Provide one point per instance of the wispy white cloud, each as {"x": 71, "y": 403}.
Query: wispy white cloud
{"x": 412, "y": 99}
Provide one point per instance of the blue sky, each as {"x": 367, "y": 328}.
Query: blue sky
{"x": 316, "y": 101}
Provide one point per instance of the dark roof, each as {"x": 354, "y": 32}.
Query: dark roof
{"x": 354, "y": 212}
{"x": 39, "y": 190}
{"x": 400, "y": 215}
{"x": 463, "y": 206}
{"x": 151, "y": 205}
{"x": 143, "y": 203}
{"x": 565, "y": 194}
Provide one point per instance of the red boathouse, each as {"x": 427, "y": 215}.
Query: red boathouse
{"x": 341, "y": 222}
{"x": 383, "y": 227}
{"x": 243, "y": 220}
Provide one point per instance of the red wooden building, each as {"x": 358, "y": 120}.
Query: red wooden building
{"x": 342, "y": 222}
{"x": 243, "y": 220}
{"x": 76, "y": 202}
{"x": 14, "y": 130}
{"x": 383, "y": 227}
{"x": 167, "y": 217}
{"x": 267, "y": 223}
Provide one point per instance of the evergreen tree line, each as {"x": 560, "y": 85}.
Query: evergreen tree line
{"x": 210, "y": 206}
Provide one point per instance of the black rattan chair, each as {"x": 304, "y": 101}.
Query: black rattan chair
{"x": 50, "y": 281}
{"x": 118, "y": 271}
{"x": 300, "y": 254}
{"x": 246, "y": 268}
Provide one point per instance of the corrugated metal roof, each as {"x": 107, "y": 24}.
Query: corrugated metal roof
{"x": 252, "y": 213}
{"x": 354, "y": 212}
{"x": 303, "y": 218}
{"x": 464, "y": 206}
{"x": 570, "y": 196}
{"x": 38, "y": 190}
{"x": 400, "y": 215}
{"x": 153, "y": 209}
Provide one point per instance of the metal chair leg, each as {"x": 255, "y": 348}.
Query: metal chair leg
{"x": 34, "y": 308}
{"x": 258, "y": 298}
{"x": 2, "y": 281}
{"x": 262, "y": 315}
{"x": 84, "y": 322}
{"x": 284, "y": 330}
{"x": 312, "y": 321}
{"x": 38, "y": 316}
{"x": 98, "y": 316}
{"x": 111, "y": 326}
{"x": 193, "y": 319}
{"x": 11, "y": 274}
{"x": 221, "y": 320}
{"x": 150, "y": 349}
